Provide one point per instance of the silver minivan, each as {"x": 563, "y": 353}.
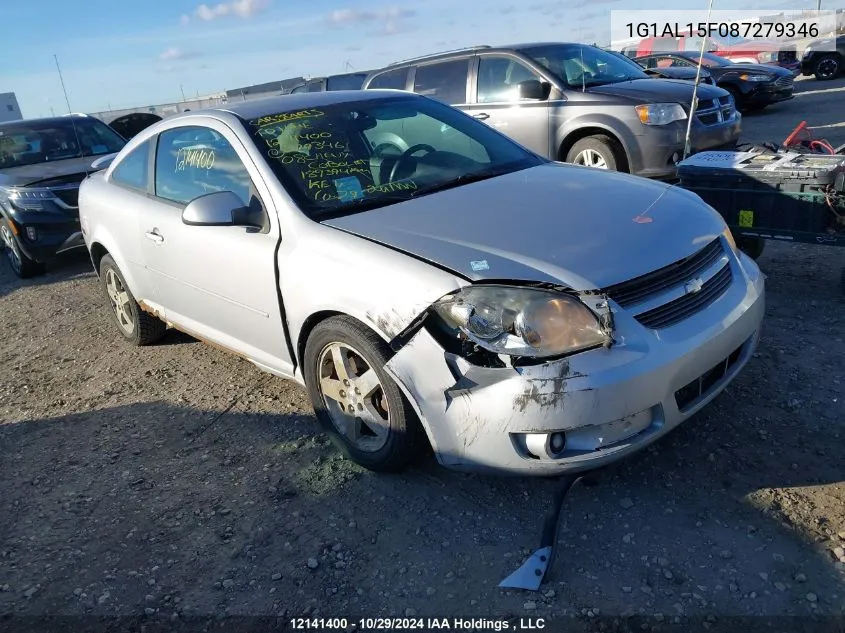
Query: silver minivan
{"x": 573, "y": 103}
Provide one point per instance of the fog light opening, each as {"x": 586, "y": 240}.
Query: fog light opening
{"x": 31, "y": 233}
{"x": 557, "y": 444}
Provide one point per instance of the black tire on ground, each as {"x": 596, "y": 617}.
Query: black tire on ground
{"x": 21, "y": 265}
{"x": 604, "y": 146}
{"x": 406, "y": 439}
{"x": 751, "y": 246}
{"x": 828, "y": 67}
{"x": 146, "y": 328}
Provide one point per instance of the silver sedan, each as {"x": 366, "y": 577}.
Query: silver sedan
{"x": 428, "y": 280}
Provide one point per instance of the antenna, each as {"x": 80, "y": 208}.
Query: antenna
{"x": 69, "y": 111}
{"x": 694, "y": 104}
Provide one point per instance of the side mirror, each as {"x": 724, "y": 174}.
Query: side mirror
{"x": 212, "y": 209}
{"x": 534, "y": 89}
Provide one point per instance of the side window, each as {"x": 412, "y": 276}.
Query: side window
{"x": 446, "y": 81}
{"x": 298, "y": 89}
{"x": 395, "y": 79}
{"x": 345, "y": 82}
{"x": 499, "y": 78}
{"x": 314, "y": 86}
{"x": 193, "y": 161}
{"x": 132, "y": 171}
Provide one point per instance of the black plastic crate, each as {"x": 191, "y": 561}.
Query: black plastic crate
{"x": 790, "y": 196}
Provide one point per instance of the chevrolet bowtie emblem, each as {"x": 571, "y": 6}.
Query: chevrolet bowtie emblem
{"x": 693, "y": 286}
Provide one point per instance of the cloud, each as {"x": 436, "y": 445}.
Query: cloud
{"x": 239, "y": 8}
{"x": 391, "y": 20}
{"x": 586, "y": 17}
{"x": 343, "y": 17}
{"x": 176, "y": 54}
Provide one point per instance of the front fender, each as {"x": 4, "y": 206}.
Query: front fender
{"x": 330, "y": 270}
{"x": 614, "y": 126}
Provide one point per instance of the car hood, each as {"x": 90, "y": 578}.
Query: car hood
{"x": 576, "y": 226}
{"x": 651, "y": 91}
{"x": 44, "y": 174}
{"x": 766, "y": 69}
{"x": 679, "y": 73}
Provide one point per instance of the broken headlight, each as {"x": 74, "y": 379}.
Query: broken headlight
{"x": 522, "y": 321}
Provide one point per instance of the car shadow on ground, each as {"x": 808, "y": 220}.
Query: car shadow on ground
{"x": 196, "y": 512}
{"x": 68, "y": 266}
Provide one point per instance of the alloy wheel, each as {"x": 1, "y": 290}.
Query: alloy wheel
{"x": 590, "y": 158}
{"x": 828, "y": 68}
{"x": 120, "y": 302}
{"x": 354, "y": 397}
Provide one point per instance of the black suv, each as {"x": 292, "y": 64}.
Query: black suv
{"x": 825, "y": 63}
{"x": 42, "y": 162}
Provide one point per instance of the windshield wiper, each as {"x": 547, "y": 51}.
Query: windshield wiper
{"x": 463, "y": 179}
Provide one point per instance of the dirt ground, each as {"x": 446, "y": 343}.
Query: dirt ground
{"x": 176, "y": 482}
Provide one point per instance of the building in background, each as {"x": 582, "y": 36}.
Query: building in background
{"x": 9, "y": 108}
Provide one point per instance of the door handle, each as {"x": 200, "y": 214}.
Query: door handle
{"x": 155, "y": 236}
{"x": 481, "y": 116}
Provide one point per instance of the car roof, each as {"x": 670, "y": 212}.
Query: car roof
{"x": 472, "y": 50}
{"x": 45, "y": 120}
{"x": 255, "y": 108}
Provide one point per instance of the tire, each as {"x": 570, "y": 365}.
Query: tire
{"x": 740, "y": 107}
{"x": 828, "y": 67}
{"x": 751, "y": 246}
{"x": 21, "y": 264}
{"x": 396, "y": 440}
{"x": 135, "y": 325}
{"x": 603, "y": 147}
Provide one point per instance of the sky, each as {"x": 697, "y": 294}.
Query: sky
{"x": 134, "y": 53}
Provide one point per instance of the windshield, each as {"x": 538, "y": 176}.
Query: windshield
{"x": 730, "y": 40}
{"x": 710, "y": 60}
{"x": 31, "y": 142}
{"x": 579, "y": 65}
{"x": 348, "y": 157}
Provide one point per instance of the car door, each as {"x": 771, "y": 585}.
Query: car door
{"x": 498, "y": 104}
{"x": 215, "y": 282}
{"x": 133, "y": 179}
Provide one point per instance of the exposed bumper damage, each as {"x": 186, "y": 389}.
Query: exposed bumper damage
{"x": 576, "y": 413}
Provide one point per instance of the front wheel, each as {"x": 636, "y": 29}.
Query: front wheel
{"x": 828, "y": 67}
{"x": 135, "y": 325}
{"x": 600, "y": 152}
{"x": 359, "y": 406}
{"x": 22, "y": 266}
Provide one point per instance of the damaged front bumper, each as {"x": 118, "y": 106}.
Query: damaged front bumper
{"x": 585, "y": 411}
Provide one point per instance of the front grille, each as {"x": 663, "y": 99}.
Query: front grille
{"x": 687, "y": 305}
{"x": 69, "y": 196}
{"x": 712, "y": 111}
{"x": 702, "y": 386}
{"x": 642, "y": 288}
{"x": 785, "y": 82}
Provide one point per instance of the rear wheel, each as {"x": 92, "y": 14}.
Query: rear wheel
{"x": 22, "y": 266}
{"x": 600, "y": 152}
{"x": 359, "y": 406}
{"x": 135, "y": 325}
{"x": 828, "y": 67}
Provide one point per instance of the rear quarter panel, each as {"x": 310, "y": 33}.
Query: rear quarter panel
{"x": 108, "y": 217}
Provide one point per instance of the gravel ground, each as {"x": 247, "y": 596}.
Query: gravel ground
{"x": 176, "y": 481}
